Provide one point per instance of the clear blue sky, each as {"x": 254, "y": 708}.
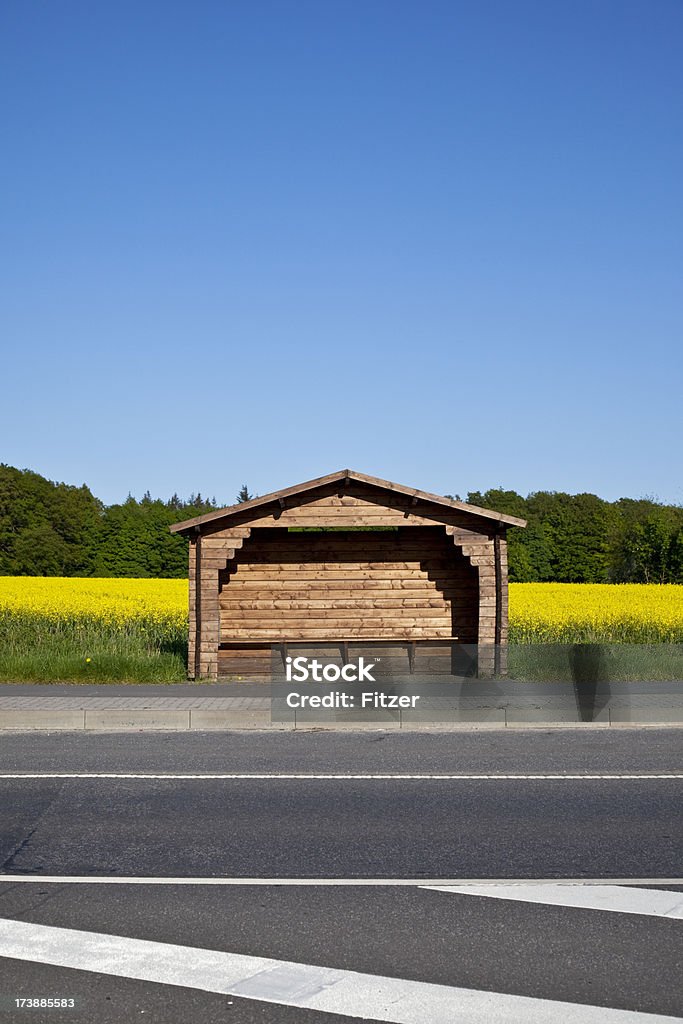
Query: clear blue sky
{"x": 439, "y": 242}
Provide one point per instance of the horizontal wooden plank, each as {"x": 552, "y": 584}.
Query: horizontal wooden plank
{"x": 356, "y": 500}
{"x": 327, "y": 635}
{"x": 356, "y": 598}
{"x": 344, "y": 552}
{"x": 220, "y": 543}
{"x": 360, "y": 614}
{"x": 299, "y": 577}
{"x": 228, "y": 598}
{"x": 384, "y": 615}
{"x": 295, "y": 577}
{"x": 358, "y": 603}
{"x": 322, "y": 613}
{"x": 394, "y": 566}
{"x": 350, "y": 600}
{"x": 349, "y": 604}
{"x": 329, "y": 506}
{"x": 343, "y": 538}
{"x": 330, "y": 570}
{"x": 473, "y": 540}
{"x": 384, "y": 567}
{"x": 402, "y": 530}
{"x": 212, "y": 536}
{"x": 310, "y": 515}
{"x": 254, "y": 647}
{"x": 357, "y": 591}
{"x": 370, "y": 516}
{"x": 326, "y": 629}
{"x": 370, "y": 552}
{"x": 328, "y": 520}
{"x": 339, "y": 553}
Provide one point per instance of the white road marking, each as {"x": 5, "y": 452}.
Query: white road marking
{"x": 348, "y": 993}
{"x": 619, "y": 898}
{"x": 207, "y": 777}
{"x": 447, "y": 884}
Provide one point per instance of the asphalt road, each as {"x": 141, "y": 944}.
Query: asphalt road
{"x": 549, "y": 953}
{"x": 344, "y": 828}
{"x": 619, "y": 750}
{"x": 415, "y": 942}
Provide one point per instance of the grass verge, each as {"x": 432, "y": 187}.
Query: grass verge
{"x": 591, "y": 662}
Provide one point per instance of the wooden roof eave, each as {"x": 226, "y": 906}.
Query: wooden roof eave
{"x": 278, "y": 497}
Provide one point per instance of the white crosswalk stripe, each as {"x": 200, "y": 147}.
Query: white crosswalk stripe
{"x": 347, "y": 993}
{"x": 617, "y": 898}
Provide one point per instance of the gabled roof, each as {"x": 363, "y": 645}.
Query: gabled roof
{"x": 338, "y": 477}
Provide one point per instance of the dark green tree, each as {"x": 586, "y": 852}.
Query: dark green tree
{"x": 46, "y": 527}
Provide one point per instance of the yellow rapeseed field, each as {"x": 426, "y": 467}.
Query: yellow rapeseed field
{"x": 539, "y": 612}
{"x": 596, "y": 612}
{"x": 45, "y": 619}
{"x": 110, "y": 600}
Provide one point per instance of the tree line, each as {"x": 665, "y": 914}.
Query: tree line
{"x": 56, "y": 529}
{"x": 580, "y": 538}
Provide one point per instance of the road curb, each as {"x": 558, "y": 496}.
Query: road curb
{"x": 24, "y": 719}
{"x": 245, "y": 720}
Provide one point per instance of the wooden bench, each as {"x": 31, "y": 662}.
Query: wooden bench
{"x": 340, "y": 642}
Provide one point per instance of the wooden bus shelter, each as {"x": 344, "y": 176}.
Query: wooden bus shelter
{"x": 345, "y": 557}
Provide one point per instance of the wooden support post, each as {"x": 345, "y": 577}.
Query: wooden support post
{"x": 197, "y": 602}
{"x": 499, "y": 603}
{"x": 486, "y": 637}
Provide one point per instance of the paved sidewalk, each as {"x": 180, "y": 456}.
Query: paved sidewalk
{"x": 474, "y": 704}
{"x": 161, "y": 702}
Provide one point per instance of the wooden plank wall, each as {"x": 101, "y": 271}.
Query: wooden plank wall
{"x": 204, "y": 614}
{"x": 410, "y": 583}
{"x": 353, "y": 506}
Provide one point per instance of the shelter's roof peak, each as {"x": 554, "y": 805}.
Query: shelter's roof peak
{"x": 331, "y": 478}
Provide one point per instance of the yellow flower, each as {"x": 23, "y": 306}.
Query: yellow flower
{"x": 600, "y": 612}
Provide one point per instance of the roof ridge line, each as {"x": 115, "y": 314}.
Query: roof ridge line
{"x": 331, "y": 478}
